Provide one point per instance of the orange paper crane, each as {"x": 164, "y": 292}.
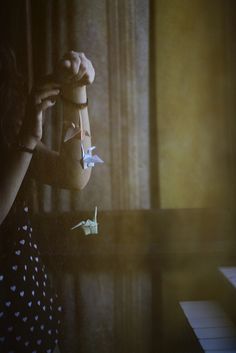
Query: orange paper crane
{"x": 76, "y": 131}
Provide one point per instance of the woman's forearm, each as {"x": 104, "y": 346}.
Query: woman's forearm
{"x": 71, "y": 156}
{"x": 64, "y": 168}
{"x": 67, "y": 168}
{"x": 16, "y": 164}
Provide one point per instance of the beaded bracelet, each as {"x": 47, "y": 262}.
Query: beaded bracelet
{"x": 23, "y": 148}
{"x": 77, "y": 105}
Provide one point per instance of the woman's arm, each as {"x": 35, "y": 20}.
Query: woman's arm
{"x": 16, "y": 161}
{"x": 64, "y": 168}
{"x": 13, "y": 170}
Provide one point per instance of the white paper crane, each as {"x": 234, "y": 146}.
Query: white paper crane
{"x": 88, "y": 159}
{"x": 89, "y": 227}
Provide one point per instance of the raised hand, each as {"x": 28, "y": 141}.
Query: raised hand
{"x": 41, "y": 98}
{"x": 75, "y": 69}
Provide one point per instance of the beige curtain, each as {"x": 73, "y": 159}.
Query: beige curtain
{"x": 115, "y": 35}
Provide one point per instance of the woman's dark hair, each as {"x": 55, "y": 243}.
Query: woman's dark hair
{"x": 12, "y": 93}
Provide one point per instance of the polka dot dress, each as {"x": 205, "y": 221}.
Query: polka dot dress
{"x": 29, "y": 309}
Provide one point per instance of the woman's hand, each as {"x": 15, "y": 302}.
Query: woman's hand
{"x": 76, "y": 69}
{"x": 41, "y": 98}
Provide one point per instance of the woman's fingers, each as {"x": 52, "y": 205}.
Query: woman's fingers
{"x": 75, "y": 64}
{"x": 67, "y": 64}
{"x": 87, "y": 70}
{"x": 81, "y": 73}
{"x": 45, "y": 105}
{"x": 41, "y": 95}
{"x": 71, "y": 61}
{"x": 78, "y": 67}
{"x": 86, "y": 73}
{"x": 85, "y": 80}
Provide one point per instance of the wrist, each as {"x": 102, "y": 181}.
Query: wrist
{"x": 75, "y": 105}
{"x": 77, "y": 94}
{"x": 28, "y": 142}
{"x": 81, "y": 93}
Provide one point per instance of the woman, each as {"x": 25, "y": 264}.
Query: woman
{"x": 29, "y": 311}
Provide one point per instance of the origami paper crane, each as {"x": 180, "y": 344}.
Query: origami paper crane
{"x": 73, "y": 131}
{"x": 76, "y": 130}
{"x": 89, "y": 160}
{"x": 89, "y": 227}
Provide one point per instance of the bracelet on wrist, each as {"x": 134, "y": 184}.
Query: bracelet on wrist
{"x": 22, "y": 148}
{"x": 79, "y": 106}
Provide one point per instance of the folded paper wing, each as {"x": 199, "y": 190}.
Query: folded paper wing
{"x": 89, "y": 227}
{"x": 76, "y": 131}
{"x": 72, "y": 132}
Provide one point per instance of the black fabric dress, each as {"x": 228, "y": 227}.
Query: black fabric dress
{"x": 30, "y": 314}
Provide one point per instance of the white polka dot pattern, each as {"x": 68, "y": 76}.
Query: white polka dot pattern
{"x": 29, "y": 313}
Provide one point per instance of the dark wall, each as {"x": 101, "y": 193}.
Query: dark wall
{"x": 13, "y": 29}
